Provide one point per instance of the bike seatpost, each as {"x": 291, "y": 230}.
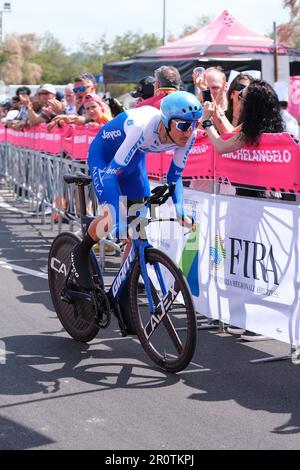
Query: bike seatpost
{"x": 82, "y": 202}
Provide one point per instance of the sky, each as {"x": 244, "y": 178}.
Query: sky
{"x": 73, "y": 21}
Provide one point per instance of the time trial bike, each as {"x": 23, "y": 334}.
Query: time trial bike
{"x": 161, "y": 313}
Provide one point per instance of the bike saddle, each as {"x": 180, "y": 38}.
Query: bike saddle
{"x": 80, "y": 180}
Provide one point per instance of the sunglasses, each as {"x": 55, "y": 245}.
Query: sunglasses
{"x": 239, "y": 87}
{"x": 81, "y": 88}
{"x": 185, "y": 126}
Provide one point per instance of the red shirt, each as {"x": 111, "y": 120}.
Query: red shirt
{"x": 157, "y": 98}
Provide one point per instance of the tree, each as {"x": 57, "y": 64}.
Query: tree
{"x": 201, "y": 21}
{"x": 289, "y": 33}
{"x": 53, "y": 59}
{"x": 16, "y": 58}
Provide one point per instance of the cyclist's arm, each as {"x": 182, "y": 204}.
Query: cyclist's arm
{"x": 175, "y": 175}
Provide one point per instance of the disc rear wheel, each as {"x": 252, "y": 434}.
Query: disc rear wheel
{"x": 79, "y": 317}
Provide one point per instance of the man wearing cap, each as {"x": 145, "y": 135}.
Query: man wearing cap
{"x": 167, "y": 80}
{"x": 144, "y": 90}
{"x": 49, "y": 106}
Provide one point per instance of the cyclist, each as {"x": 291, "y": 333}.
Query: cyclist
{"x": 117, "y": 162}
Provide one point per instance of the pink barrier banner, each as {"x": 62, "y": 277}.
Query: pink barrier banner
{"x": 294, "y": 101}
{"x": 2, "y": 133}
{"x": 76, "y": 140}
{"x": 200, "y": 163}
{"x": 274, "y": 164}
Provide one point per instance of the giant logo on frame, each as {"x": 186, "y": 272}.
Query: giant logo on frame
{"x": 218, "y": 253}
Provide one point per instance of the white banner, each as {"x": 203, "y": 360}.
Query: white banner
{"x": 242, "y": 262}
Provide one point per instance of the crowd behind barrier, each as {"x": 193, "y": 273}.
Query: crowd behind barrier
{"x": 273, "y": 165}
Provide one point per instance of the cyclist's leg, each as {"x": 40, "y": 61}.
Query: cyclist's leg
{"x": 136, "y": 187}
{"x": 80, "y": 255}
{"x": 97, "y": 229}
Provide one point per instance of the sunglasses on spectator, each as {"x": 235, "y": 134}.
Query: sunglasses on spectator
{"x": 239, "y": 87}
{"x": 185, "y": 126}
{"x": 80, "y": 89}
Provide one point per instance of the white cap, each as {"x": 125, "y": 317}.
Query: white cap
{"x": 282, "y": 90}
{"x": 47, "y": 87}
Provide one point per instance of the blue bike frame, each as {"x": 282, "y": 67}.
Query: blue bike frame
{"x": 137, "y": 252}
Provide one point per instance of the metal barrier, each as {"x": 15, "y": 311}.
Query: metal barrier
{"x": 36, "y": 179}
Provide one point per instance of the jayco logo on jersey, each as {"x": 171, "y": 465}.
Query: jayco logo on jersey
{"x": 111, "y": 135}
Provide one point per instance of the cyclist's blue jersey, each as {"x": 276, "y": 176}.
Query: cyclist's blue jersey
{"x": 117, "y": 158}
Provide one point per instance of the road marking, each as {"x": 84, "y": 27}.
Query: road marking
{"x": 5, "y": 205}
{"x": 19, "y": 269}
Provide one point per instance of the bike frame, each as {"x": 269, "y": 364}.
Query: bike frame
{"x": 137, "y": 253}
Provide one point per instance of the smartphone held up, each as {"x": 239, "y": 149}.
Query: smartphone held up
{"x": 206, "y": 95}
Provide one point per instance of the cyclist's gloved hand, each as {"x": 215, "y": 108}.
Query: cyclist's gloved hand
{"x": 187, "y": 222}
{"x": 184, "y": 219}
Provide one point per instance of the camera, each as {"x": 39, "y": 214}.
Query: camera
{"x": 206, "y": 95}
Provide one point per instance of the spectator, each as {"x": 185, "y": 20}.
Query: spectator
{"x": 48, "y": 105}
{"x": 23, "y": 90}
{"x": 95, "y": 113}
{"x": 167, "y": 80}
{"x": 5, "y": 107}
{"x": 260, "y": 113}
{"x": 23, "y": 113}
{"x": 213, "y": 80}
{"x": 83, "y": 84}
{"x": 95, "y": 110}
{"x": 145, "y": 89}
{"x": 240, "y": 82}
{"x": 13, "y": 111}
{"x": 70, "y": 100}
{"x": 290, "y": 123}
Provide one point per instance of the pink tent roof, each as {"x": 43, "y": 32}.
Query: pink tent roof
{"x": 225, "y": 35}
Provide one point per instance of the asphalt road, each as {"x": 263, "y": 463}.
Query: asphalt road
{"x": 58, "y": 394}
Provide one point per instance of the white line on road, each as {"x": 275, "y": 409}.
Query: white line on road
{"x": 5, "y": 205}
{"x": 19, "y": 269}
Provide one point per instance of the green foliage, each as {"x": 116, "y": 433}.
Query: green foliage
{"x": 4, "y": 54}
{"x": 289, "y": 33}
{"x": 201, "y": 21}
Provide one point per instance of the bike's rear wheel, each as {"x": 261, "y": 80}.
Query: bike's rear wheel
{"x": 169, "y": 338}
{"x": 78, "y": 318}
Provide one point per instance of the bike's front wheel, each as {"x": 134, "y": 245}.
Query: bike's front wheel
{"x": 169, "y": 334}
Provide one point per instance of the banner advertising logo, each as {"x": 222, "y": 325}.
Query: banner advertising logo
{"x": 218, "y": 253}
{"x": 190, "y": 260}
